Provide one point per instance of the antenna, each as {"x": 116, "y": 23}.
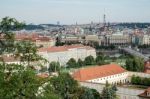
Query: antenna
{"x": 104, "y": 19}
{"x": 58, "y": 23}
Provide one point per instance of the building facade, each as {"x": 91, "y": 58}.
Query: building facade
{"x": 118, "y": 39}
{"x": 63, "y": 53}
{"x": 146, "y": 40}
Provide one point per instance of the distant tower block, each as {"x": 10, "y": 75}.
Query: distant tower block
{"x": 58, "y": 23}
{"x": 104, "y": 20}
{"x": 76, "y": 23}
{"x": 92, "y": 22}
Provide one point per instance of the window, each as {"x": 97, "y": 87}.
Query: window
{"x": 148, "y": 94}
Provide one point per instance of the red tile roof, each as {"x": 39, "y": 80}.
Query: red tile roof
{"x": 53, "y": 49}
{"x": 97, "y": 72}
{"x": 32, "y": 37}
{"x": 63, "y": 48}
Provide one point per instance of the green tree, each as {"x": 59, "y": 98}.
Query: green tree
{"x": 48, "y": 92}
{"x": 112, "y": 47}
{"x": 89, "y": 60}
{"x": 136, "y": 80}
{"x": 135, "y": 64}
{"x": 7, "y": 25}
{"x": 17, "y": 82}
{"x": 72, "y": 63}
{"x": 109, "y": 92}
{"x": 54, "y": 67}
{"x": 80, "y": 63}
{"x": 65, "y": 85}
{"x": 100, "y": 60}
{"x": 114, "y": 89}
{"x": 27, "y": 52}
{"x": 90, "y": 94}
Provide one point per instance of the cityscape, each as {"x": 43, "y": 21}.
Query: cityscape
{"x": 74, "y": 49}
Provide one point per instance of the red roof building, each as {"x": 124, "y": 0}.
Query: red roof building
{"x": 112, "y": 73}
{"x": 146, "y": 94}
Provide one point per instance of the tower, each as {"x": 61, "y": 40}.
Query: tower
{"x": 104, "y": 20}
{"x": 58, "y": 23}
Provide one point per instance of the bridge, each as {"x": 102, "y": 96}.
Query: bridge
{"x": 135, "y": 53}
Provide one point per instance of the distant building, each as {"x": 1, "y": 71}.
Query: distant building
{"x": 146, "y": 39}
{"x": 112, "y": 73}
{"x": 39, "y": 41}
{"x": 146, "y": 94}
{"x": 44, "y": 41}
{"x": 147, "y": 67}
{"x": 92, "y": 38}
{"x": 63, "y": 53}
{"x": 71, "y": 39}
{"x": 137, "y": 40}
{"x": 118, "y": 39}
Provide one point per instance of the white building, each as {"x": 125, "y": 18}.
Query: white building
{"x": 112, "y": 73}
{"x": 146, "y": 40}
{"x": 63, "y": 53}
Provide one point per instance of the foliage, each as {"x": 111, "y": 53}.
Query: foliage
{"x": 89, "y": 60}
{"x": 54, "y": 66}
{"x": 49, "y": 93}
{"x": 72, "y": 63}
{"x": 80, "y": 63}
{"x": 109, "y": 92}
{"x": 135, "y": 64}
{"x": 109, "y": 47}
{"x": 43, "y": 69}
{"x": 65, "y": 85}
{"x": 21, "y": 81}
{"x": 100, "y": 60}
{"x": 27, "y": 52}
{"x": 90, "y": 94}
{"x": 140, "y": 80}
{"x": 58, "y": 42}
{"x": 144, "y": 46}
{"x": 16, "y": 82}
{"x": 7, "y": 25}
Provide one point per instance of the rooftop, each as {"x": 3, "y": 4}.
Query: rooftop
{"x": 97, "y": 72}
{"x": 63, "y": 48}
{"x": 145, "y": 94}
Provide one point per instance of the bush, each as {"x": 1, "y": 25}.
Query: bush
{"x": 72, "y": 63}
{"x": 54, "y": 66}
{"x": 89, "y": 60}
{"x": 140, "y": 81}
{"x": 80, "y": 63}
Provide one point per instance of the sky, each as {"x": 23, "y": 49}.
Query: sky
{"x": 72, "y": 11}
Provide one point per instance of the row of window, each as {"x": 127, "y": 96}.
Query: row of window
{"x": 108, "y": 77}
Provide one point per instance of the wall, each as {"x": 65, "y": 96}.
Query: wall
{"x": 123, "y": 93}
